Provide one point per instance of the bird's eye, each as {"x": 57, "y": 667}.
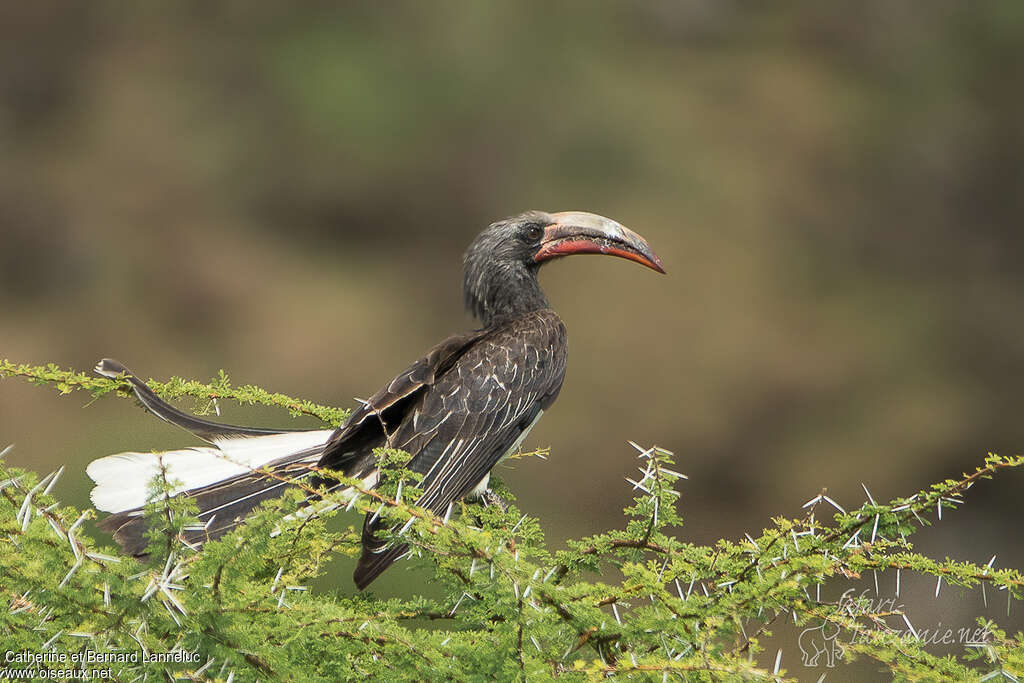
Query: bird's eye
{"x": 533, "y": 233}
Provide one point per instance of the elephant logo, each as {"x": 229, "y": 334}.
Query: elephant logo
{"x": 819, "y": 640}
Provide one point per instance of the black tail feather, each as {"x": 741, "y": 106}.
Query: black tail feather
{"x": 204, "y": 429}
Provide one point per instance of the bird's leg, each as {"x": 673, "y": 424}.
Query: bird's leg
{"x": 486, "y": 496}
{"x": 480, "y": 490}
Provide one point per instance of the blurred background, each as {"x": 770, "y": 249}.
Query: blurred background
{"x": 286, "y": 193}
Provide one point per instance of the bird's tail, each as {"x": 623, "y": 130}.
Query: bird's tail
{"x": 241, "y": 468}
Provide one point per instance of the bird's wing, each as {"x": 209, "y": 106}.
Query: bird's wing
{"x": 470, "y": 418}
{"x": 350, "y": 447}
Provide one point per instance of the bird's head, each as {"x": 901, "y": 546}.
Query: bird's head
{"x": 502, "y": 262}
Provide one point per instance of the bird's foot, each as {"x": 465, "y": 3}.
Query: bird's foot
{"x": 490, "y": 497}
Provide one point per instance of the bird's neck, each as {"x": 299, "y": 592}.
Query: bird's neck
{"x": 507, "y": 293}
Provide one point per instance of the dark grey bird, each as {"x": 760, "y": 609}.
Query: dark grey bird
{"x": 461, "y": 408}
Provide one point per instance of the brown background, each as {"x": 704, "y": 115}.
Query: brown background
{"x": 286, "y": 194}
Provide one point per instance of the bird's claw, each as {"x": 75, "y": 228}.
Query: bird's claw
{"x": 490, "y": 497}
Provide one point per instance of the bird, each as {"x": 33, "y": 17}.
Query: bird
{"x": 469, "y": 402}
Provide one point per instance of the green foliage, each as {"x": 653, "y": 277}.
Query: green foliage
{"x": 637, "y": 603}
{"x": 66, "y": 381}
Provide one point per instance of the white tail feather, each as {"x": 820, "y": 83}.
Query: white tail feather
{"x": 122, "y": 480}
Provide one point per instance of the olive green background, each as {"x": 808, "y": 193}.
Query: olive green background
{"x": 285, "y": 192}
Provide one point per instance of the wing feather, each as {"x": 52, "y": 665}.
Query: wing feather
{"x": 470, "y": 417}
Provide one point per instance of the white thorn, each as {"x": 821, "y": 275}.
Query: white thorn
{"x": 71, "y": 572}
{"x": 863, "y": 486}
{"x": 53, "y": 481}
{"x": 199, "y": 672}
{"x": 910, "y": 626}
{"x": 376, "y": 514}
{"x": 78, "y": 522}
{"x": 273, "y": 586}
{"x": 51, "y": 641}
{"x": 812, "y": 501}
{"x": 834, "y": 504}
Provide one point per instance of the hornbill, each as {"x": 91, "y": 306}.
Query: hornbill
{"x": 457, "y": 411}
